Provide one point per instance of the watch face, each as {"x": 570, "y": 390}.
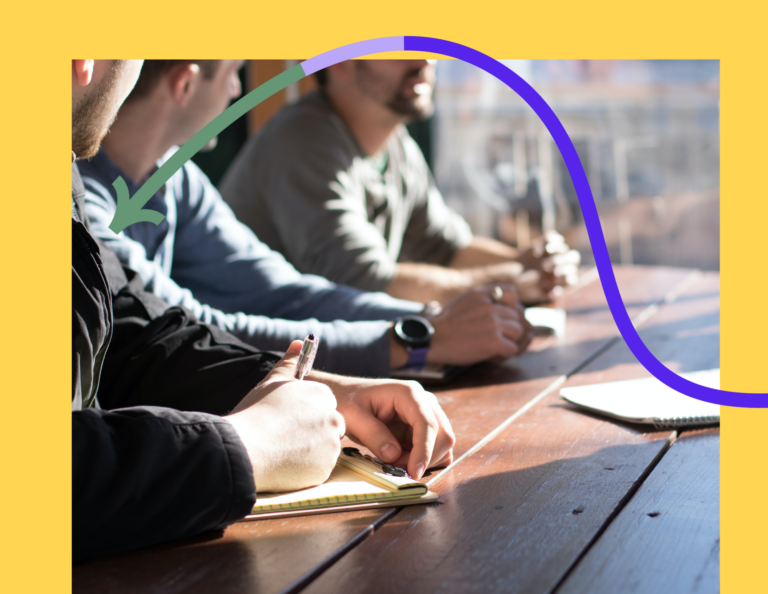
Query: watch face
{"x": 414, "y": 331}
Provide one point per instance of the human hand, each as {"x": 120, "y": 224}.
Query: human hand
{"x": 550, "y": 254}
{"x": 290, "y": 428}
{"x": 474, "y": 327}
{"x": 398, "y": 421}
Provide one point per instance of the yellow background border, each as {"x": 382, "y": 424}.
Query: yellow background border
{"x": 40, "y": 40}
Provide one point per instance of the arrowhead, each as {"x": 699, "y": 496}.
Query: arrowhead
{"x": 130, "y": 211}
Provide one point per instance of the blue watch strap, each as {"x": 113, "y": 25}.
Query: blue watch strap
{"x": 417, "y": 357}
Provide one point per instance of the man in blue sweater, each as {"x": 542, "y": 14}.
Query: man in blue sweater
{"x": 202, "y": 258}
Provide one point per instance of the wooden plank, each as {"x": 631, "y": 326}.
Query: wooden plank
{"x": 685, "y": 335}
{"x": 285, "y": 552}
{"x": 260, "y": 556}
{"x": 667, "y": 539}
{"x": 517, "y": 514}
{"x": 477, "y": 403}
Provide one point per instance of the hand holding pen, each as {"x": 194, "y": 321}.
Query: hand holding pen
{"x": 291, "y": 429}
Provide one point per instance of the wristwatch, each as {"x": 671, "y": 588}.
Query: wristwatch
{"x": 415, "y": 334}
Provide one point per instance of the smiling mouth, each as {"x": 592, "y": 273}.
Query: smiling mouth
{"x": 423, "y": 88}
{"x": 418, "y": 84}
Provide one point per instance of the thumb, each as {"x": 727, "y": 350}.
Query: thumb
{"x": 285, "y": 369}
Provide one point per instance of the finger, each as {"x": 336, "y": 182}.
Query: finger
{"x": 549, "y": 280}
{"x": 525, "y": 341}
{"x": 285, "y": 368}
{"x": 552, "y": 263}
{"x": 373, "y": 434}
{"x": 446, "y": 439}
{"x": 509, "y": 295}
{"x": 502, "y": 348}
{"x": 339, "y": 422}
{"x": 420, "y": 416}
{"x": 555, "y": 243}
{"x": 569, "y": 257}
{"x": 512, "y": 329}
{"x": 564, "y": 268}
{"x": 424, "y": 435}
{"x": 446, "y": 460}
{"x": 505, "y": 312}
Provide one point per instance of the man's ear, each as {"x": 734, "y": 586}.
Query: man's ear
{"x": 184, "y": 81}
{"x": 82, "y": 72}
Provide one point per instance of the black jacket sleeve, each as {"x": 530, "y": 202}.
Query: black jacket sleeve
{"x": 146, "y": 475}
{"x": 164, "y": 356}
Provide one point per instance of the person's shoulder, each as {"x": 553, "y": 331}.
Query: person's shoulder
{"x": 190, "y": 183}
{"x": 97, "y": 174}
{"x": 99, "y": 169}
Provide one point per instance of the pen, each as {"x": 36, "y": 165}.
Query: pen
{"x": 307, "y": 356}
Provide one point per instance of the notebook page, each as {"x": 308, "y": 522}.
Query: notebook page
{"x": 343, "y": 486}
{"x": 646, "y": 399}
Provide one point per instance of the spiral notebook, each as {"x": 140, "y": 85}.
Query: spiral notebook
{"x": 648, "y": 401}
{"x": 357, "y": 482}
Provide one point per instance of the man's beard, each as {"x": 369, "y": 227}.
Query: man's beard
{"x": 93, "y": 115}
{"x": 415, "y": 108}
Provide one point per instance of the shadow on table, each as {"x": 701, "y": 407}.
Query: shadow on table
{"x": 495, "y": 527}
{"x": 491, "y": 528}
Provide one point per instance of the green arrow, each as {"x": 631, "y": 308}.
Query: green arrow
{"x": 130, "y": 210}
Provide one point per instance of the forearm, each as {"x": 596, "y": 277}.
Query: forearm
{"x": 352, "y": 348}
{"x": 425, "y": 282}
{"x": 482, "y": 252}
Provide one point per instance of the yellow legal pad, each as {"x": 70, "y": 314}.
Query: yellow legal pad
{"x": 357, "y": 482}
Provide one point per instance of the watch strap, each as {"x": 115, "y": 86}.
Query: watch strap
{"x": 417, "y": 357}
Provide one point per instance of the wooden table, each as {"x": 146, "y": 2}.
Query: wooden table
{"x": 542, "y": 497}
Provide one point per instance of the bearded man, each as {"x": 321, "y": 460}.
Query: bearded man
{"x": 335, "y": 183}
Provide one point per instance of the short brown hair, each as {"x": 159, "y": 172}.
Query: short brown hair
{"x": 153, "y": 70}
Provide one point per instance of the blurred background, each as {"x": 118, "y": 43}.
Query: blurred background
{"x": 647, "y": 133}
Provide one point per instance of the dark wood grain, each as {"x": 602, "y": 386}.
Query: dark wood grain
{"x": 667, "y": 539}
{"x": 281, "y": 555}
{"x": 254, "y": 557}
{"x": 518, "y": 513}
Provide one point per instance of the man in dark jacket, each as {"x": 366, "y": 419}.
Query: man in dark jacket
{"x": 153, "y": 459}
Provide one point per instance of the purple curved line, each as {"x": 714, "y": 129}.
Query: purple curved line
{"x": 353, "y": 50}
{"x": 594, "y": 230}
